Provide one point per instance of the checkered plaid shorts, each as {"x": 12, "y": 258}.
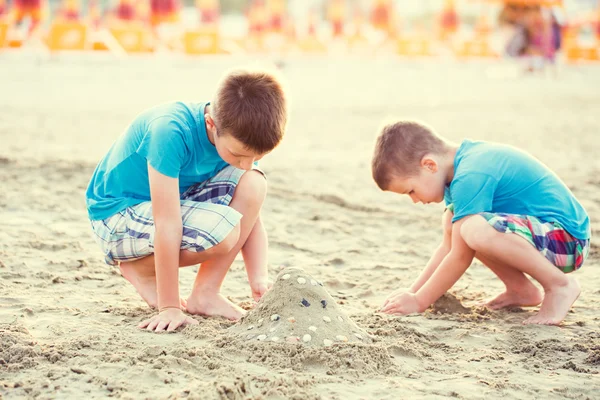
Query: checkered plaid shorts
{"x": 549, "y": 238}
{"x": 207, "y": 220}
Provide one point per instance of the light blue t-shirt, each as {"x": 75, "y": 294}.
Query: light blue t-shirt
{"x": 172, "y": 138}
{"x": 490, "y": 177}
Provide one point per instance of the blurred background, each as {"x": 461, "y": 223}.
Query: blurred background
{"x": 536, "y": 31}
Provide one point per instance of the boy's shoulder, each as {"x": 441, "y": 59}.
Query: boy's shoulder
{"x": 488, "y": 157}
{"x": 178, "y": 110}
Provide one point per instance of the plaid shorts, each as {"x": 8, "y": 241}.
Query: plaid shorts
{"x": 207, "y": 220}
{"x": 549, "y": 238}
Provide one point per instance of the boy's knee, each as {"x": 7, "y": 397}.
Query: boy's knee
{"x": 228, "y": 243}
{"x": 225, "y": 246}
{"x": 476, "y": 232}
{"x": 252, "y": 187}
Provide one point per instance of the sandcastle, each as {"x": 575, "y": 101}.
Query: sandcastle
{"x": 298, "y": 309}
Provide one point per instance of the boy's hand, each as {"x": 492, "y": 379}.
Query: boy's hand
{"x": 402, "y": 304}
{"x": 394, "y": 294}
{"x": 259, "y": 288}
{"x": 169, "y": 320}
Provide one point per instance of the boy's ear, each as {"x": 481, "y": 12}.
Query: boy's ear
{"x": 429, "y": 163}
{"x": 209, "y": 120}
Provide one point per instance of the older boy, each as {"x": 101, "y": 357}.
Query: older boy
{"x": 180, "y": 187}
{"x": 504, "y": 208}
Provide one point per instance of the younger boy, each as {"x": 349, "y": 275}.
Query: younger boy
{"x": 504, "y": 208}
{"x": 180, "y": 187}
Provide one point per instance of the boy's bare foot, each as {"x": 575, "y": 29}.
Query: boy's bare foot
{"x": 557, "y": 303}
{"x": 512, "y": 298}
{"x": 144, "y": 284}
{"x": 214, "y": 305}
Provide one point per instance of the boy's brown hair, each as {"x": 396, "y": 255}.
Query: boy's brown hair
{"x": 251, "y": 106}
{"x": 399, "y": 149}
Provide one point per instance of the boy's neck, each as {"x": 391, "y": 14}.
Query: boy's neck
{"x": 448, "y": 162}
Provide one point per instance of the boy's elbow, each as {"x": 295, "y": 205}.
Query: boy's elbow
{"x": 168, "y": 227}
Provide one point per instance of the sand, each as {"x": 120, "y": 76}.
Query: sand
{"x": 67, "y": 321}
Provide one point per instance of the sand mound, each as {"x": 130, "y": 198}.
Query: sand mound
{"x": 449, "y": 304}
{"x": 298, "y": 309}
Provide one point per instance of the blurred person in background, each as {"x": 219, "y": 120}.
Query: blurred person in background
{"x": 69, "y": 11}
{"x": 124, "y": 11}
{"x": 336, "y": 14}
{"x": 164, "y": 11}
{"x": 277, "y": 13}
{"x": 209, "y": 11}
{"x": 3, "y": 10}
{"x": 32, "y": 12}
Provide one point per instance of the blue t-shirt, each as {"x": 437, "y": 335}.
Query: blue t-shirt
{"x": 172, "y": 138}
{"x": 490, "y": 177}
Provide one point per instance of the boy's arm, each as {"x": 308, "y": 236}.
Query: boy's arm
{"x": 438, "y": 255}
{"x": 445, "y": 276}
{"x": 166, "y": 211}
{"x": 254, "y": 253}
{"x": 442, "y": 251}
{"x": 164, "y": 192}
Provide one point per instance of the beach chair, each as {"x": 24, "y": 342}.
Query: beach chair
{"x": 576, "y": 53}
{"x": 201, "y": 41}
{"x": 414, "y": 46}
{"x": 67, "y": 36}
{"x": 133, "y": 39}
{"x": 478, "y": 48}
{"x": 3, "y": 34}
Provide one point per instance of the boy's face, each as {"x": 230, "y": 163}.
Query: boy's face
{"x": 425, "y": 187}
{"x": 233, "y": 152}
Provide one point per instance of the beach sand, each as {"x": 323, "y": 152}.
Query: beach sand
{"x": 68, "y": 321}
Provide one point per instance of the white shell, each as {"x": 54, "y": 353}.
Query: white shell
{"x": 261, "y": 337}
{"x": 327, "y": 342}
{"x": 274, "y": 338}
{"x": 341, "y": 338}
{"x": 313, "y": 282}
{"x": 326, "y": 319}
{"x": 306, "y": 338}
{"x": 301, "y": 281}
{"x": 275, "y": 317}
{"x": 358, "y": 335}
{"x": 312, "y": 328}
{"x": 340, "y": 318}
{"x": 285, "y": 277}
{"x": 260, "y": 321}
{"x": 250, "y": 327}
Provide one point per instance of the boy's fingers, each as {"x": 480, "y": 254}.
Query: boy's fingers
{"x": 152, "y": 324}
{"x": 191, "y": 321}
{"x": 173, "y": 325}
{"x": 144, "y": 324}
{"x": 161, "y": 326}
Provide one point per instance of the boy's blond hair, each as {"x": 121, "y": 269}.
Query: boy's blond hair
{"x": 251, "y": 106}
{"x": 399, "y": 149}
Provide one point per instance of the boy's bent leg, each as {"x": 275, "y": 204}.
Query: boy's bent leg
{"x": 205, "y": 298}
{"x": 520, "y": 292}
{"x": 560, "y": 290}
{"x": 141, "y": 273}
